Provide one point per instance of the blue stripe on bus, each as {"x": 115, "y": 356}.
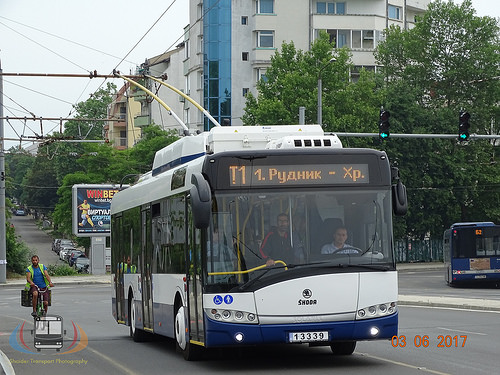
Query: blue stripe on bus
{"x": 175, "y": 163}
{"x": 222, "y": 334}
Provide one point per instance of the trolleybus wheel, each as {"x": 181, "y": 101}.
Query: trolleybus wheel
{"x": 189, "y": 351}
{"x": 343, "y": 348}
{"x": 138, "y": 335}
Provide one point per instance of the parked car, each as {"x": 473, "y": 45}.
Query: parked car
{"x": 82, "y": 264}
{"x": 64, "y": 243}
{"x": 20, "y": 212}
{"x": 73, "y": 256}
{"x": 64, "y": 251}
{"x": 69, "y": 253}
{"x": 55, "y": 243}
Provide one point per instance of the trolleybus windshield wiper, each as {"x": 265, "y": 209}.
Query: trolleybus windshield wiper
{"x": 377, "y": 267}
{"x": 251, "y": 282}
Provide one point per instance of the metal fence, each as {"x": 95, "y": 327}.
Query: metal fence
{"x": 428, "y": 250}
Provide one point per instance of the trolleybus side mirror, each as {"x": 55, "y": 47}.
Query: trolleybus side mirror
{"x": 399, "y": 199}
{"x": 201, "y": 201}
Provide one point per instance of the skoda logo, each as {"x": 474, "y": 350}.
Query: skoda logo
{"x": 307, "y": 293}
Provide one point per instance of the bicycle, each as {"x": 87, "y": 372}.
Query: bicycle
{"x": 39, "y": 309}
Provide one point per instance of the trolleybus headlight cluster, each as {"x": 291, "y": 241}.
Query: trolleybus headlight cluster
{"x": 376, "y": 311}
{"x": 232, "y": 316}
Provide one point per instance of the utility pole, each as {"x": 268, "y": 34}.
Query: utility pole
{"x": 3, "y": 241}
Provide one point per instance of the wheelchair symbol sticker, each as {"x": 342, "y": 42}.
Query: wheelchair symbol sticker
{"x": 218, "y": 299}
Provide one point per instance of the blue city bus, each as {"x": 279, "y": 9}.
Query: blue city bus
{"x": 472, "y": 253}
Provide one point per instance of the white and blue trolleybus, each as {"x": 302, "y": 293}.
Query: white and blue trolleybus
{"x": 471, "y": 253}
{"x": 223, "y": 242}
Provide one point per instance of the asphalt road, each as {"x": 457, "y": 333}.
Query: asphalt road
{"x": 430, "y": 341}
{"x": 109, "y": 350}
{"x": 38, "y": 241}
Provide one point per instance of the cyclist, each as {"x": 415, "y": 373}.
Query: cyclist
{"x": 37, "y": 276}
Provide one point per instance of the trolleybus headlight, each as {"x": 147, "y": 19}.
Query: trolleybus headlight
{"x": 374, "y": 331}
{"x": 239, "y": 337}
{"x": 376, "y": 311}
{"x": 392, "y": 308}
{"x": 232, "y": 316}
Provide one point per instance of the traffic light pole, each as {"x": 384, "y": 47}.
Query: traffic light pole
{"x": 444, "y": 136}
{"x": 3, "y": 241}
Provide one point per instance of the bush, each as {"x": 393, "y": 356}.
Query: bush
{"x": 18, "y": 254}
{"x": 61, "y": 270}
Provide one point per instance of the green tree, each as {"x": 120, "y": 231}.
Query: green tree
{"x": 448, "y": 62}
{"x": 93, "y": 108}
{"x": 40, "y": 186}
{"x": 292, "y": 82}
{"x": 17, "y": 252}
{"x": 102, "y": 164}
{"x": 17, "y": 164}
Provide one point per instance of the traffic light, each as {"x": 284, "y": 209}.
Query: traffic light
{"x": 463, "y": 126}
{"x": 383, "y": 125}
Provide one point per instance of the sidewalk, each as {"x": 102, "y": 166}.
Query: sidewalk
{"x": 74, "y": 280}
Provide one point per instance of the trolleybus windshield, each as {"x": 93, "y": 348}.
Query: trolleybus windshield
{"x": 294, "y": 228}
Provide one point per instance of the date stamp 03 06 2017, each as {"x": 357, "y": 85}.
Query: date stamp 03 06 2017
{"x": 442, "y": 341}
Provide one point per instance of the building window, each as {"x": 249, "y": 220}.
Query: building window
{"x": 327, "y": 7}
{"x": 244, "y": 20}
{"x": 261, "y": 74}
{"x": 265, "y": 39}
{"x": 368, "y": 41}
{"x": 245, "y": 91}
{"x": 186, "y": 49}
{"x": 394, "y": 12}
{"x": 265, "y": 6}
{"x": 340, "y": 8}
{"x": 244, "y": 56}
{"x": 354, "y": 39}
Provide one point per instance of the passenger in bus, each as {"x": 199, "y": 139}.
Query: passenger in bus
{"x": 276, "y": 244}
{"x": 339, "y": 245}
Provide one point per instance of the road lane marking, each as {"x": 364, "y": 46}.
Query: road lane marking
{"x": 457, "y": 330}
{"x": 123, "y": 369}
{"x": 424, "y": 369}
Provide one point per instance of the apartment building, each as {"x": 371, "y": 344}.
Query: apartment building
{"x": 121, "y": 130}
{"x": 228, "y": 46}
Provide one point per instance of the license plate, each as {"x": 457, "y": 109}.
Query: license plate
{"x": 308, "y": 336}
{"x": 480, "y": 277}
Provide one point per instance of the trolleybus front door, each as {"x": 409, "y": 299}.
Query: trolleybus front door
{"x": 146, "y": 277}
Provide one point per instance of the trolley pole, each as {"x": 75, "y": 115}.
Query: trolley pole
{"x": 3, "y": 242}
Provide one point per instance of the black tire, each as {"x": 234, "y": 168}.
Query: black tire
{"x": 343, "y": 347}
{"x": 137, "y": 334}
{"x": 189, "y": 351}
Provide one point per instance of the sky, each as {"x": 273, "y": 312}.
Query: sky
{"x": 76, "y": 37}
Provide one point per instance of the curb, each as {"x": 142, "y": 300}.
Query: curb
{"x": 462, "y": 303}
{"x": 64, "y": 280}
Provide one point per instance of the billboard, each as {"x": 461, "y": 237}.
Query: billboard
{"x": 92, "y": 209}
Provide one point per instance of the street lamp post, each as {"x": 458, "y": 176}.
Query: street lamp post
{"x": 320, "y": 92}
